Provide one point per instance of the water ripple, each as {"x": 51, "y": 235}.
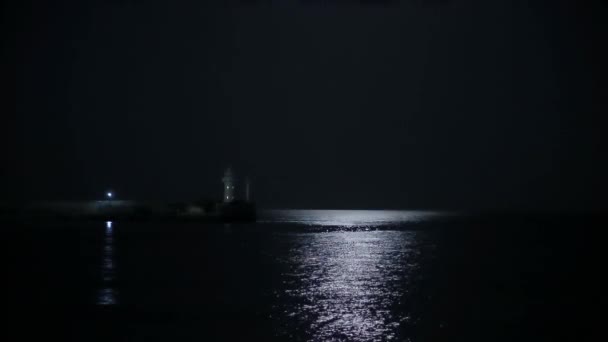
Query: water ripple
{"x": 343, "y": 285}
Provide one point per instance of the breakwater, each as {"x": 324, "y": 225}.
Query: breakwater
{"x": 208, "y": 211}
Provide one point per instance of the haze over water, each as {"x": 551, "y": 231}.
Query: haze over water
{"x": 306, "y": 275}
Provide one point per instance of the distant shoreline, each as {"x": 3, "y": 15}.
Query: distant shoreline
{"x": 207, "y": 211}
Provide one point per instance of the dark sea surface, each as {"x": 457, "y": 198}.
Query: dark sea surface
{"x": 307, "y": 275}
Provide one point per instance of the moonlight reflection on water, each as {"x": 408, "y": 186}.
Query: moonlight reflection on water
{"x": 346, "y": 284}
{"x": 349, "y": 218}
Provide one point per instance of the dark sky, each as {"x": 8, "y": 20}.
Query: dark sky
{"x": 325, "y": 104}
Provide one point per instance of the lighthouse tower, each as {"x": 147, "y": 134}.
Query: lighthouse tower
{"x": 228, "y": 181}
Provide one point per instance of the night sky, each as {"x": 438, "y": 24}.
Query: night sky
{"x": 324, "y": 104}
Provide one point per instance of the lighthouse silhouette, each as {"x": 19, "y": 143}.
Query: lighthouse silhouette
{"x": 228, "y": 181}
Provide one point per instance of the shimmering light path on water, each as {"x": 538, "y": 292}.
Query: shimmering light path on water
{"x": 348, "y": 218}
{"x": 347, "y": 284}
{"x": 350, "y": 285}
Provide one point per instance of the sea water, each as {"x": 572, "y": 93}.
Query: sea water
{"x": 301, "y": 275}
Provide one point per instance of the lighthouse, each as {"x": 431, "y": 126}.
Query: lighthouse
{"x": 228, "y": 181}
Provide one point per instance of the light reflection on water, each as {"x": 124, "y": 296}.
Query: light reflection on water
{"x": 347, "y": 285}
{"x": 107, "y": 293}
{"x": 348, "y": 218}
